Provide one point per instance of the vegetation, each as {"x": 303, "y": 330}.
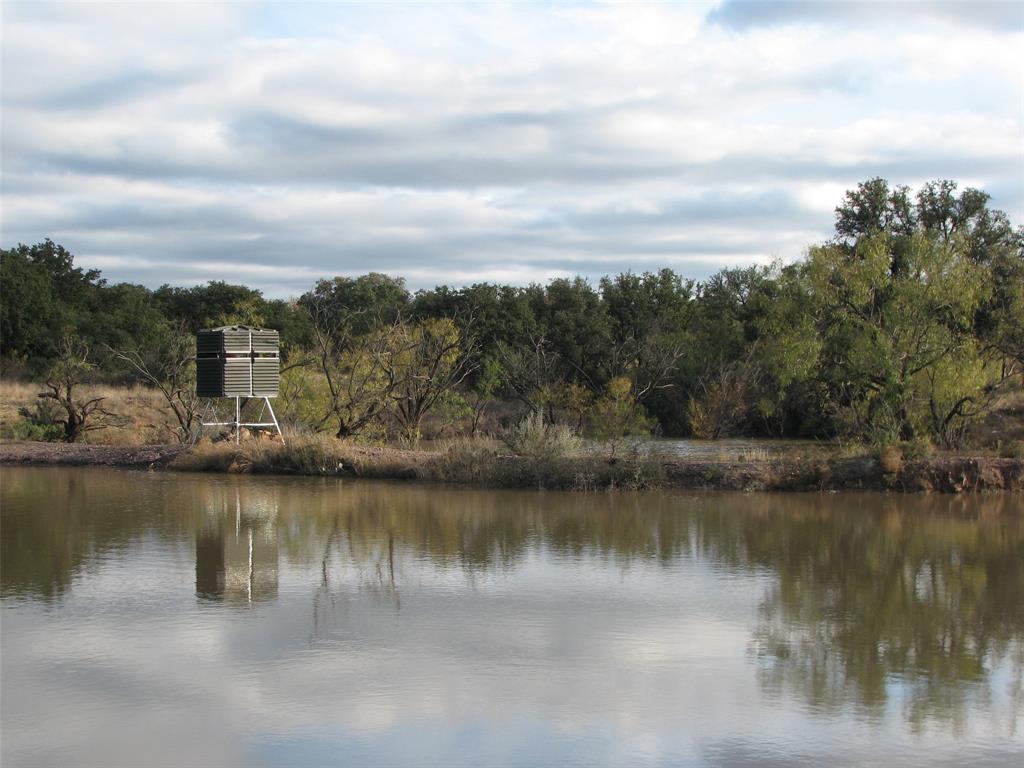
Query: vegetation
{"x": 907, "y": 327}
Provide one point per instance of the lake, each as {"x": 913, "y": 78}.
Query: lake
{"x": 171, "y": 619}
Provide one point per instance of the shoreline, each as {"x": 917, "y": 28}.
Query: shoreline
{"x": 957, "y": 474}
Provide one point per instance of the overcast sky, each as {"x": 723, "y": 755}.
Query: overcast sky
{"x": 274, "y": 144}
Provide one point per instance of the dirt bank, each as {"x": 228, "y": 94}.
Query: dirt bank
{"x": 137, "y": 456}
{"x": 960, "y": 474}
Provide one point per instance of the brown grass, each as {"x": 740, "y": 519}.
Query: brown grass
{"x": 140, "y": 415}
{"x": 469, "y": 462}
{"x": 301, "y": 455}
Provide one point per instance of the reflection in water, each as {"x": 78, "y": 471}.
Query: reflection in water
{"x": 903, "y": 612}
{"x": 931, "y": 602}
{"x": 236, "y": 555}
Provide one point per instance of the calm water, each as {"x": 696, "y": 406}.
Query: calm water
{"x": 164, "y": 619}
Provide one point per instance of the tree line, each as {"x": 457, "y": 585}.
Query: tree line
{"x": 907, "y": 324}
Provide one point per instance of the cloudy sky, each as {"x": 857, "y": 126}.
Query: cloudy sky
{"x": 275, "y": 144}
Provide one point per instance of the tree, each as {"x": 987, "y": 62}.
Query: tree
{"x": 169, "y": 366}
{"x": 422, "y": 364}
{"x": 575, "y": 324}
{"x": 885, "y": 333}
{"x": 355, "y": 386}
{"x": 361, "y": 304}
{"x": 488, "y": 381}
{"x": 64, "y": 377}
{"x": 786, "y": 353}
{"x": 533, "y": 374}
{"x": 874, "y": 207}
{"x": 208, "y": 306}
{"x": 1001, "y": 320}
{"x": 649, "y": 316}
{"x": 44, "y": 294}
{"x": 617, "y": 415}
{"x": 723, "y": 396}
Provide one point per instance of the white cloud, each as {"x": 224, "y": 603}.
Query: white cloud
{"x": 502, "y": 142}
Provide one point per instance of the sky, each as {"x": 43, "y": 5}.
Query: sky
{"x": 275, "y": 144}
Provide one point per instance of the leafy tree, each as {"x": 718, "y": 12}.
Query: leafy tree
{"x": 43, "y": 294}
{"x": 212, "y": 305}
{"x": 881, "y": 331}
{"x": 947, "y": 216}
{"x": 617, "y": 415}
{"x": 649, "y": 315}
{"x": 423, "y": 363}
{"x": 577, "y": 401}
{"x": 361, "y": 304}
{"x": 875, "y": 207}
{"x": 350, "y": 365}
{"x": 999, "y": 323}
{"x": 786, "y": 353}
{"x": 576, "y": 326}
{"x": 492, "y": 314}
{"x": 488, "y": 381}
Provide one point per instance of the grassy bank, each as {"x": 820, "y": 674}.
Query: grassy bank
{"x": 484, "y": 464}
{"x": 473, "y": 462}
{"x": 552, "y": 459}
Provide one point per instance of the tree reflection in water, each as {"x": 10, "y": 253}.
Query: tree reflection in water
{"x": 919, "y": 598}
{"x": 873, "y": 600}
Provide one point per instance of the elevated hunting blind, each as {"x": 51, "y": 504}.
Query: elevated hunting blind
{"x": 240, "y": 362}
{"x": 237, "y": 361}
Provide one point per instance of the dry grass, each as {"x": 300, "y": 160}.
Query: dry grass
{"x": 1003, "y": 424}
{"x": 140, "y": 416}
{"x": 300, "y": 455}
{"x": 469, "y": 462}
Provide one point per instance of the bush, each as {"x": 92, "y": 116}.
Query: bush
{"x": 1014, "y": 449}
{"x": 617, "y": 415}
{"x": 534, "y": 438}
{"x": 26, "y": 430}
{"x": 915, "y": 450}
{"x": 41, "y": 421}
{"x": 470, "y": 461}
{"x": 891, "y": 458}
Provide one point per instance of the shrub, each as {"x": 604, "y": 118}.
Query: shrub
{"x": 534, "y": 438}
{"x": 891, "y": 458}
{"x": 26, "y": 430}
{"x": 465, "y": 461}
{"x": 207, "y": 456}
{"x": 40, "y": 421}
{"x": 921, "y": 448}
{"x": 617, "y": 415}
{"x": 1014, "y": 449}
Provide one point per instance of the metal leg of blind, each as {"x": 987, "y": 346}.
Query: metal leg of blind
{"x": 237, "y": 423}
{"x": 274, "y": 417}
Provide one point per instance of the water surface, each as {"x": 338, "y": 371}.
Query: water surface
{"x": 168, "y": 619}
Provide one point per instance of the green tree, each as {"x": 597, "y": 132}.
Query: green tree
{"x": 212, "y": 305}
{"x": 882, "y": 331}
{"x": 617, "y": 415}
{"x": 362, "y": 303}
{"x": 42, "y": 294}
{"x": 424, "y": 363}
{"x": 351, "y": 385}
{"x": 488, "y": 381}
